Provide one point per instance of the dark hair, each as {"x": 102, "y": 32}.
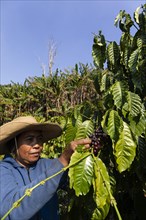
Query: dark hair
{"x": 11, "y": 146}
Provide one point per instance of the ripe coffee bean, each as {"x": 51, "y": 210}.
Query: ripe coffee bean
{"x": 99, "y": 139}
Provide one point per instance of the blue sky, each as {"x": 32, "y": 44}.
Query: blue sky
{"x": 28, "y": 26}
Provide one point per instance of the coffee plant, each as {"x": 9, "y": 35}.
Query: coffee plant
{"x": 106, "y": 103}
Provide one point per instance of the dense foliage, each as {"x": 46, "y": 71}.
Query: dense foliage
{"x": 112, "y": 95}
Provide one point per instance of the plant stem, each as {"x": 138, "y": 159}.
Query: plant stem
{"x": 15, "y": 205}
{"x": 112, "y": 199}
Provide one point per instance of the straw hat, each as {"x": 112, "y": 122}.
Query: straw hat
{"x": 25, "y": 123}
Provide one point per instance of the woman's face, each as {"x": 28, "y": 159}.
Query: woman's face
{"x": 29, "y": 147}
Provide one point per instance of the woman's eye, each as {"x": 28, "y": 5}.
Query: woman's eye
{"x": 34, "y": 139}
{"x": 29, "y": 139}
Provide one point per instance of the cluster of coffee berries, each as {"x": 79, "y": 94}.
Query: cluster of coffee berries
{"x": 98, "y": 140}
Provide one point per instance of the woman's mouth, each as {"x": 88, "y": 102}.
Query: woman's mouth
{"x": 35, "y": 154}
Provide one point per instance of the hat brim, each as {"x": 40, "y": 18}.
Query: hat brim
{"x": 49, "y": 131}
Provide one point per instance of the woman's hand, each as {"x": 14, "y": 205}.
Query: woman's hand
{"x": 69, "y": 150}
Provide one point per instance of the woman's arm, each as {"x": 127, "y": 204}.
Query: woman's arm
{"x": 10, "y": 192}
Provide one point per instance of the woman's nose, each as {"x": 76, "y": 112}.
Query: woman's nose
{"x": 36, "y": 145}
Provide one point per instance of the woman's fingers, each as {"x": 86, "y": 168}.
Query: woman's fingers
{"x": 86, "y": 142}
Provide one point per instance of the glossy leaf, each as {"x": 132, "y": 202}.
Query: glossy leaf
{"x": 112, "y": 55}
{"x": 136, "y": 14}
{"x": 84, "y": 130}
{"x": 134, "y": 104}
{"x": 101, "y": 213}
{"x": 124, "y": 21}
{"x": 105, "y": 119}
{"x": 114, "y": 125}
{"x": 99, "y": 50}
{"x": 118, "y": 91}
{"x": 70, "y": 132}
{"x": 138, "y": 78}
{"x": 81, "y": 175}
{"x": 106, "y": 80}
{"x": 137, "y": 125}
{"x": 132, "y": 63}
{"x": 125, "y": 149}
{"x": 101, "y": 184}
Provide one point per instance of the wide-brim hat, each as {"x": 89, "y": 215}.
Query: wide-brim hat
{"x": 21, "y": 124}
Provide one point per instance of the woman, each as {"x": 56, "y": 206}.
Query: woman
{"x": 23, "y": 138}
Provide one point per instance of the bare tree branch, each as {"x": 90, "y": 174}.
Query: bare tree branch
{"x": 51, "y": 53}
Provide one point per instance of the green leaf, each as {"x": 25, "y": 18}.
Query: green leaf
{"x": 124, "y": 21}
{"x": 134, "y": 104}
{"x": 119, "y": 17}
{"x": 101, "y": 213}
{"x": 101, "y": 183}
{"x": 106, "y": 80}
{"x": 70, "y": 132}
{"x": 114, "y": 125}
{"x": 98, "y": 50}
{"x": 85, "y": 129}
{"x": 81, "y": 174}
{"x": 137, "y": 125}
{"x": 118, "y": 92}
{"x": 78, "y": 129}
{"x": 136, "y": 14}
{"x": 138, "y": 78}
{"x": 113, "y": 54}
{"x": 105, "y": 119}
{"x": 78, "y": 121}
{"x": 125, "y": 149}
{"x": 132, "y": 63}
